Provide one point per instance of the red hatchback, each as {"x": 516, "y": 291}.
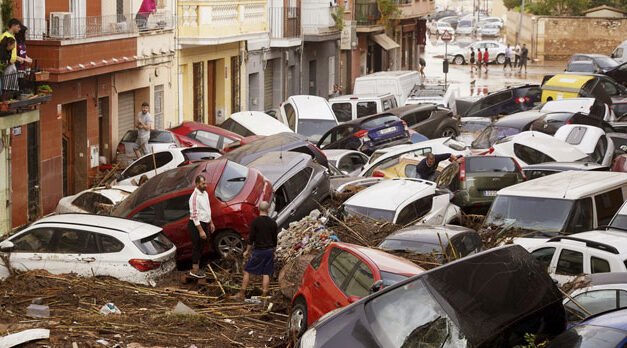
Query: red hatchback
{"x": 211, "y": 136}
{"x": 235, "y": 193}
{"x": 341, "y": 275}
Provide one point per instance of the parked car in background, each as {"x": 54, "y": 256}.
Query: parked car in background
{"x": 492, "y": 20}
{"x": 588, "y": 106}
{"x": 535, "y": 147}
{"x": 505, "y": 127}
{"x": 451, "y": 20}
{"x": 235, "y": 193}
{"x": 414, "y": 200}
{"x": 98, "y": 200}
{"x": 607, "y": 329}
{"x": 159, "y": 162}
{"x": 348, "y": 162}
{"x": 590, "y": 140}
{"x": 159, "y": 141}
{"x": 465, "y": 27}
{"x": 448, "y": 242}
{"x": 208, "y": 135}
{"x": 366, "y": 134}
{"x": 453, "y": 305}
{"x": 534, "y": 171}
{"x": 341, "y": 275}
{"x": 308, "y": 115}
{"x": 430, "y": 120}
{"x": 505, "y": 102}
{"x": 399, "y": 83}
{"x": 601, "y": 292}
{"x": 288, "y": 141}
{"x": 299, "y": 184}
{"x": 496, "y": 50}
{"x": 489, "y": 29}
{"x": 620, "y": 53}
{"x": 90, "y": 246}
{"x": 437, "y": 94}
{"x": 475, "y": 180}
{"x": 352, "y": 107}
{"x": 249, "y": 123}
{"x": 601, "y": 62}
{"x": 440, "y": 27}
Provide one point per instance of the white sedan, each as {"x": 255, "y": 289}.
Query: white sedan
{"x": 94, "y": 201}
{"x": 590, "y": 140}
{"x": 496, "y": 52}
{"x": 91, "y": 245}
{"x": 535, "y": 147}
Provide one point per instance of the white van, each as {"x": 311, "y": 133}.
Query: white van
{"x": 248, "y": 123}
{"x": 620, "y": 53}
{"x": 352, "y": 107}
{"x": 307, "y": 115}
{"x": 399, "y": 83}
{"x": 563, "y": 203}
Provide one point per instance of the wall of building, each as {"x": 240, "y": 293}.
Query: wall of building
{"x": 19, "y": 178}
{"x": 286, "y": 79}
{"x": 605, "y": 14}
{"x": 320, "y": 52}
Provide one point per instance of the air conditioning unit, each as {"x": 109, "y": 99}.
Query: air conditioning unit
{"x": 60, "y": 25}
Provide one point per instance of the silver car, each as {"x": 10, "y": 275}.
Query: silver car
{"x": 496, "y": 52}
{"x": 160, "y": 140}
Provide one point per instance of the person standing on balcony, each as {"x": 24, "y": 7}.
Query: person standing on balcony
{"x": 144, "y": 125}
{"x": 20, "y": 38}
{"x": 13, "y": 27}
{"x": 9, "y": 79}
{"x": 147, "y": 8}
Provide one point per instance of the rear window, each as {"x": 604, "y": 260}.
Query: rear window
{"x": 490, "y": 164}
{"x": 379, "y": 121}
{"x": 235, "y": 127}
{"x": 375, "y": 214}
{"x": 232, "y": 181}
{"x": 576, "y": 135}
{"x": 161, "y": 137}
{"x": 366, "y": 108}
{"x": 154, "y": 245}
{"x": 530, "y": 155}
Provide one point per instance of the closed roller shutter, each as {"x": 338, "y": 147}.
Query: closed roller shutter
{"x": 268, "y": 96}
{"x": 126, "y": 110}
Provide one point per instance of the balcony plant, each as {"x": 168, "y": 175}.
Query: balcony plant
{"x": 389, "y": 10}
{"x": 338, "y": 17}
{"x": 44, "y": 89}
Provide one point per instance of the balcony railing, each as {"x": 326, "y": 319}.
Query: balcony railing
{"x": 284, "y": 22}
{"x": 221, "y": 19}
{"x": 367, "y": 13}
{"x": 23, "y": 91}
{"x": 64, "y": 26}
{"x": 318, "y": 20}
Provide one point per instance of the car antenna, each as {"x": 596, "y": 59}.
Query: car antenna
{"x": 567, "y": 186}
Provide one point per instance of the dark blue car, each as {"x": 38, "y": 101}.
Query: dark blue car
{"x": 604, "y": 330}
{"x": 367, "y": 134}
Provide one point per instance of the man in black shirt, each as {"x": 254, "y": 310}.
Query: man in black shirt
{"x": 427, "y": 167}
{"x": 262, "y": 240}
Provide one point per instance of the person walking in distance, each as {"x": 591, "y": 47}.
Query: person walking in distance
{"x": 200, "y": 224}
{"x": 486, "y": 59}
{"x": 508, "y": 58}
{"x": 472, "y": 59}
{"x": 479, "y": 59}
{"x": 524, "y": 56}
{"x": 421, "y": 65}
{"x": 262, "y": 240}
{"x": 517, "y": 55}
{"x": 144, "y": 124}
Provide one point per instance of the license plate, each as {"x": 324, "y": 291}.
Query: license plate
{"x": 489, "y": 193}
{"x": 387, "y": 130}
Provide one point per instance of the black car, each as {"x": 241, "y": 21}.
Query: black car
{"x": 366, "y": 134}
{"x": 430, "y": 120}
{"x": 534, "y": 171}
{"x": 600, "y": 63}
{"x": 483, "y": 300}
{"x": 551, "y": 122}
{"x": 505, "y": 102}
{"x": 278, "y": 142}
{"x": 619, "y": 74}
{"x": 505, "y": 127}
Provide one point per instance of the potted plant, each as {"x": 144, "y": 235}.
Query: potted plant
{"x": 44, "y": 89}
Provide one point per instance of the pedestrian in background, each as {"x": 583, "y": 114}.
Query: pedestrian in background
{"x": 144, "y": 124}
{"x": 200, "y": 224}
{"x": 524, "y": 56}
{"x": 147, "y": 8}
{"x": 486, "y": 59}
{"x": 421, "y": 66}
{"x": 262, "y": 240}
{"x": 517, "y": 55}
{"x": 472, "y": 59}
{"x": 508, "y": 58}
{"x": 479, "y": 59}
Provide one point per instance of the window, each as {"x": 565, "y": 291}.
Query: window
{"x": 483, "y": 164}
{"x": 469, "y": 243}
{"x": 76, "y": 242}
{"x": 610, "y": 88}
{"x": 154, "y": 245}
{"x": 496, "y": 98}
{"x": 110, "y": 244}
{"x": 351, "y": 163}
{"x": 315, "y": 263}
{"x": 530, "y": 155}
{"x": 209, "y": 139}
{"x": 158, "y": 103}
{"x": 366, "y": 109}
{"x": 89, "y": 201}
{"x": 296, "y": 184}
{"x": 570, "y": 263}
{"x": 599, "y": 150}
{"x": 420, "y": 116}
{"x": 147, "y": 164}
{"x": 389, "y": 104}
{"x": 175, "y": 208}
{"x": 576, "y": 135}
{"x": 343, "y": 111}
{"x": 544, "y": 255}
{"x": 235, "y": 127}
{"x": 147, "y": 214}
{"x": 594, "y": 302}
{"x": 360, "y": 283}
{"x": 232, "y": 181}
{"x": 34, "y": 241}
{"x": 607, "y": 205}
{"x": 341, "y": 263}
{"x": 581, "y": 216}
{"x": 291, "y": 116}
{"x": 415, "y": 210}
{"x": 598, "y": 265}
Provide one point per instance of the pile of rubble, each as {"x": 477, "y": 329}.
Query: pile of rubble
{"x": 307, "y": 236}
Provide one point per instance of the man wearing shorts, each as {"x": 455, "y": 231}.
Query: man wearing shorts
{"x": 144, "y": 124}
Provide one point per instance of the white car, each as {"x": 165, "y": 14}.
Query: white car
{"x": 159, "y": 162}
{"x": 403, "y": 201}
{"x": 349, "y": 162}
{"x": 91, "y": 245}
{"x": 588, "y": 106}
{"x": 496, "y": 52}
{"x": 387, "y": 157}
{"x": 95, "y": 200}
{"x": 249, "y": 123}
{"x": 492, "y": 20}
{"x": 159, "y": 140}
{"x": 435, "y": 94}
{"x": 308, "y": 115}
{"x": 440, "y": 27}
{"x": 583, "y": 253}
{"x": 619, "y": 221}
{"x": 602, "y": 292}
{"x": 535, "y": 147}
{"x": 490, "y": 29}
{"x": 590, "y": 140}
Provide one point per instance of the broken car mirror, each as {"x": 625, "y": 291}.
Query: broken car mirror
{"x": 6, "y": 245}
{"x": 376, "y": 286}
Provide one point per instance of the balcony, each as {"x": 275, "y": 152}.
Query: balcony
{"x": 30, "y": 94}
{"x": 317, "y": 20}
{"x": 414, "y": 8}
{"x": 212, "y": 22}
{"x": 367, "y": 13}
{"x": 284, "y": 22}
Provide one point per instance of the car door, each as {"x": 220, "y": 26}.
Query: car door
{"x": 31, "y": 250}
{"x": 570, "y": 264}
{"x": 112, "y": 258}
{"x": 299, "y": 197}
{"x": 594, "y": 302}
{"x": 75, "y": 251}
{"x": 494, "y": 50}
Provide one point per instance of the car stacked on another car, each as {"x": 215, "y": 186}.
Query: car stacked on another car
{"x": 535, "y": 147}
{"x": 211, "y": 136}
{"x": 430, "y": 120}
{"x": 348, "y": 162}
{"x": 535, "y": 171}
{"x": 590, "y": 140}
{"x": 352, "y": 107}
{"x": 251, "y": 123}
{"x": 99, "y": 200}
{"x": 159, "y": 140}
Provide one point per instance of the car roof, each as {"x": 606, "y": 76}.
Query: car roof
{"x": 567, "y": 185}
{"x": 312, "y": 107}
{"x": 378, "y": 196}
{"x": 259, "y": 123}
{"x": 564, "y": 166}
{"x": 545, "y": 143}
{"x": 589, "y": 139}
{"x": 615, "y": 239}
{"x": 275, "y": 165}
{"x": 591, "y": 55}
{"x": 616, "y": 319}
{"x": 384, "y": 261}
{"x": 192, "y": 125}
{"x": 519, "y": 120}
{"x": 278, "y": 142}
{"x": 568, "y": 105}
{"x": 349, "y": 97}
{"x": 135, "y": 229}
{"x": 403, "y": 110}
{"x": 429, "y": 233}
{"x": 609, "y": 278}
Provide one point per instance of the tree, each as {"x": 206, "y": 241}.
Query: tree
{"x": 511, "y": 4}
{"x": 559, "y": 7}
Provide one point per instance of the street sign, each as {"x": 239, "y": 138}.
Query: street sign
{"x": 446, "y": 36}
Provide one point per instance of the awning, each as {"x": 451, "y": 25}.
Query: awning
{"x": 385, "y": 41}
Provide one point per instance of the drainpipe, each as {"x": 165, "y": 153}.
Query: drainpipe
{"x": 520, "y": 19}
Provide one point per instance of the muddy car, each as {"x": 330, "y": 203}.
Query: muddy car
{"x": 455, "y": 305}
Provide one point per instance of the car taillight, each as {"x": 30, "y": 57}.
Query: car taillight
{"x": 360, "y": 134}
{"x": 462, "y": 169}
{"x": 378, "y": 174}
{"x": 570, "y": 121}
{"x": 144, "y": 265}
{"x": 522, "y": 100}
{"x": 121, "y": 148}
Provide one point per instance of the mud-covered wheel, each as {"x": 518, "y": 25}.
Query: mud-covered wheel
{"x": 298, "y": 318}
{"x": 227, "y": 243}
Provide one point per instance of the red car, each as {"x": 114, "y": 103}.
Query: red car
{"x": 207, "y": 135}
{"x": 235, "y": 193}
{"x": 341, "y": 275}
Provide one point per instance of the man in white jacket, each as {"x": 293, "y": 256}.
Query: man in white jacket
{"x": 200, "y": 224}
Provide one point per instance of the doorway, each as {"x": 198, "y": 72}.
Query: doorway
{"x": 74, "y": 155}
{"x": 32, "y": 149}
{"x": 211, "y": 91}
{"x": 312, "y": 78}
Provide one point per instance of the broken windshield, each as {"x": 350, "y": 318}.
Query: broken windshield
{"x": 530, "y": 213}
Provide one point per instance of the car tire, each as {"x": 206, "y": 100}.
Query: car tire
{"x": 459, "y": 60}
{"x": 297, "y": 323}
{"x": 500, "y": 59}
{"x": 228, "y": 243}
{"x": 448, "y": 132}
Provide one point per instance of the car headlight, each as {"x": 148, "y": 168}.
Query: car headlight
{"x": 309, "y": 339}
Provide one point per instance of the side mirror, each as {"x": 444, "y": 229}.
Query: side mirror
{"x": 6, "y": 246}
{"x": 376, "y": 286}
{"x": 353, "y": 299}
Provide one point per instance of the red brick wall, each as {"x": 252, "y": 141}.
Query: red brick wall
{"x": 19, "y": 178}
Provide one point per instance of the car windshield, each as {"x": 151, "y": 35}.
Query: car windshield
{"x": 161, "y": 137}
{"x": 529, "y": 213}
{"x": 232, "y": 181}
{"x": 619, "y": 222}
{"x": 417, "y": 247}
{"x": 589, "y": 336}
{"x": 314, "y": 129}
{"x": 398, "y": 321}
{"x": 375, "y": 214}
{"x": 154, "y": 245}
{"x": 487, "y": 164}
{"x": 606, "y": 62}
{"x": 491, "y": 134}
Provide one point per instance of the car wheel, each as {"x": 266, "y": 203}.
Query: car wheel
{"x": 298, "y": 318}
{"x": 500, "y": 59}
{"x": 448, "y": 132}
{"x": 228, "y": 243}
{"x": 459, "y": 60}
